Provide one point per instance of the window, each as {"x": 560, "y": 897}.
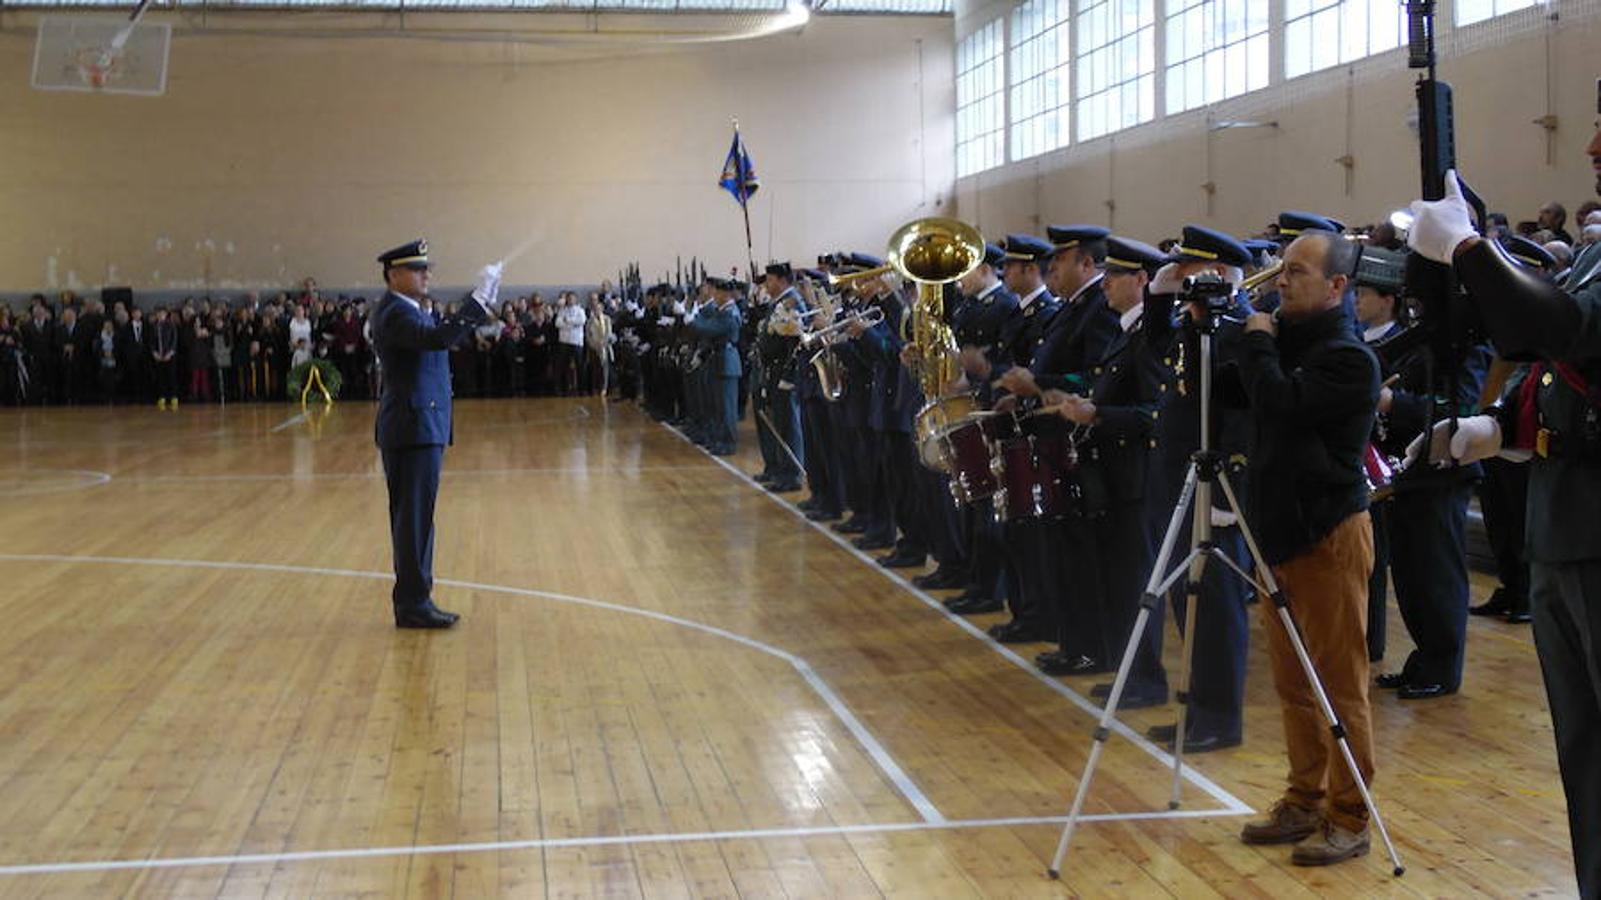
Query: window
{"x": 980, "y": 112}
{"x": 1215, "y": 49}
{"x": 1040, "y": 85}
{"x": 1323, "y": 33}
{"x": 1116, "y": 78}
{"x": 1470, "y": 11}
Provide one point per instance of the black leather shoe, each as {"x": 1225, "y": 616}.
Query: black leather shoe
{"x": 872, "y": 543}
{"x": 784, "y": 487}
{"x": 966, "y": 605}
{"x": 1423, "y": 691}
{"x": 1196, "y": 743}
{"x": 1519, "y": 615}
{"x": 1392, "y": 680}
{"x": 429, "y": 616}
{"x": 941, "y": 579}
{"x": 1163, "y": 734}
{"x": 899, "y": 560}
{"x": 1499, "y": 604}
{"x": 1138, "y": 700}
{"x": 1063, "y": 665}
{"x": 822, "y": 515}
{"x": 762, "y": 478}
{"x": 807, "y": 505}
{"x": 853, "y": 525}
{"x": 1103, "y": 690}
{"x": 1015, "y": 632}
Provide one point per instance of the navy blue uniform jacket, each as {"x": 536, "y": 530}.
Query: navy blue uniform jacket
{"x": 414, "y": 410}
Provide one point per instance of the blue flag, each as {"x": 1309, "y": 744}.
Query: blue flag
{"x": 739, "y": 173}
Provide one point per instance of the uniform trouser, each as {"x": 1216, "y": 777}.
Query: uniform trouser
{"x": 823, "y": 469}
{"x": 943, "y": 519}
{"x": 1566, "y": 603}
{"x": 1504, "y": 500}
{"x": 412, "y": 474}
{"x": 860, "y": 461}
{"x": 765, "y": 442}
{"x": 1078, "y": 592}
{"x": 986, "y": 547}
{"x": 879, "y": 514}
{"x": 727, "y": 434}
{"x": 1428, "y": 561}
{"x": 1123, "y": 549}
{"x": 1222, "y": 636}
{"x": 1035, "y": 554}
{"x": 900, "y": 473}
{"x": 1326, "y": 588}
{"x": 1379, "y": 581}
{"x": 785, "y": 414}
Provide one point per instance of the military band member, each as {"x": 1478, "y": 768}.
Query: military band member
{"x": 978, "y": 322}
{"x": 1120, "y": 411}
{"x": 718, "y": 323}
{"x": 779, "y": 344}
{"x": 1216, "y": 698}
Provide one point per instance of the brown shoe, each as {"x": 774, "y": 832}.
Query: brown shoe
{"x": 1331, "y": 845}
{"x": 1286, "y": 823}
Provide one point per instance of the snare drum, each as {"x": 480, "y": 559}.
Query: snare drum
{"x": 1037, "y": 478}
{"x": 967, "y": 449}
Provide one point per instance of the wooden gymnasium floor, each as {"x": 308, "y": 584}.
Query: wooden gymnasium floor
{"x": 666, "y": 684}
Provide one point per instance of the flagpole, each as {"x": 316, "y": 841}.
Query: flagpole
{"x": 744, "y": 207}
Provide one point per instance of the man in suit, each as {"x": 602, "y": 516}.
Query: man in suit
{"x": 414, "y": 417}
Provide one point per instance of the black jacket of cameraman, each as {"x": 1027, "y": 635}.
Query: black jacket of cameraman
{"x": 1312, "y": 392}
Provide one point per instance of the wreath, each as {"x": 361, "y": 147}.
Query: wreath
{"x": 327, "y": 371}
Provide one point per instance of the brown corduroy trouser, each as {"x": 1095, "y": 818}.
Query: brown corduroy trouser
{"x": 1326, "y": 588}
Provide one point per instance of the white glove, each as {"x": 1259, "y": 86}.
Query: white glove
{"x": 1439, "y": 226}
{"x": 785, "y": 386}
{"x": 488, "y": 290}
{"x": 1476, "y": 438}
{"x": 1222, "y": 518}
{"x": 1167, "y": 280}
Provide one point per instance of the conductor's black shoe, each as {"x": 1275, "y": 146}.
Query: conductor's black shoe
{"x": 1499, "y": 604}
{"x": 853, "y": 525}
{"x": 900, "y": 560}
{"x": 1162, "y": 734}
{"x": 1423, "y": 691}
{"x": 1392, "y": 680}
{"x": 1198, "y": 743}
{"x": 428, "y": 616}
{"x": 869, "y": 542}
{"x": 1015, "y": 632}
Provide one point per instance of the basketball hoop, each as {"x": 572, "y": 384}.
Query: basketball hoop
{"x": 97, "y": 65}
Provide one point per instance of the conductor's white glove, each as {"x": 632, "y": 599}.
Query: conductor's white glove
{"x": 1167, "y": 280}
{"x": 1439, "y": 226}
{"x": 488, "y": 290}
{"x": 1476, "y": 438}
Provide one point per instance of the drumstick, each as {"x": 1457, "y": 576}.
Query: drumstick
{"x": 1389, "y": 382}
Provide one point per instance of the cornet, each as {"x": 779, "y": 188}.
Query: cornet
{"x": 828, "y": 334}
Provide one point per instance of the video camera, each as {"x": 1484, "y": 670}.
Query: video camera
{"x": 1211, "y": 289}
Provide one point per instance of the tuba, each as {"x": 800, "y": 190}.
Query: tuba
{"x": 934, "y": 252}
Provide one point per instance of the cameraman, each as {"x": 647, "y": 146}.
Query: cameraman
{"x": 1559, "y": 419}
{"x": 1313, "y": 387}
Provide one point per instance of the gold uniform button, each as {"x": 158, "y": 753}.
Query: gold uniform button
{"x": 1547, "y": 379}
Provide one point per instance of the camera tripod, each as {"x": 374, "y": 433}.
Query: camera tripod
{"x": 1206, "y": 468}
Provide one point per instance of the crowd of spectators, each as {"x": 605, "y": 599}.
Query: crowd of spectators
{"x": 76, "y": 350}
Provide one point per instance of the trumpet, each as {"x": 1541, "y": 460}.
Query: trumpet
{"x": 826, "y": 335}
{"x": 858, "y": 277}
{"x": 1258, "y": 284}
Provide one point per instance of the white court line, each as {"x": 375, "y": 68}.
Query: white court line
{"x": 295, "y": 419}
{"x": 92, "y": 478}
{"x": 245, "y": 859}
{"x": 1233, "y": 804}
{"x": 886, "y": 763}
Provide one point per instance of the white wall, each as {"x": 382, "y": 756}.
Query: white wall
{"x": 272, "y": 156}
{"x": 1155, "y": 173}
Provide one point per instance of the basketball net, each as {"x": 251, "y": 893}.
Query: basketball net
{"x": 97, "y": 65}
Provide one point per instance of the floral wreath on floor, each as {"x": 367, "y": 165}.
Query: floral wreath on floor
{"x": 327, "y": 376}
